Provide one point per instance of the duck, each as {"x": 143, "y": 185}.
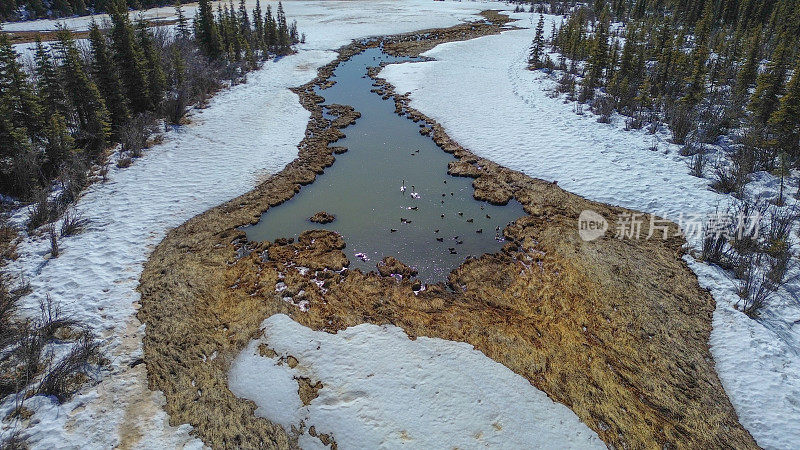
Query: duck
{"x": 440, "y": 239}
{"x": 392, "y": 230}
{"x": 403, "y": 187}
{"x": 460, "y": 213}
{"x": 479, "y": 230}
{"x": 488, "y": 216}
{"x": 470, "y": 220}
{"x": 453, "y": 251}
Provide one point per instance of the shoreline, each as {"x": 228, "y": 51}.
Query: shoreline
{"x": 627, "y": 390}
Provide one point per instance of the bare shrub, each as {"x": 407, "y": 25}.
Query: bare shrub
{"x": 13, "y": 441}
{"x": 680, "y": 123}
{"x": 717, "y": 230}
{"x": 72, "y": 223}
{"x": 24, "y": 359}
{"x": 697, "y": 165}
{"x": 634, "y": 122}
{"x": 730, "y": 178}
{"x": 74, "y": 178}
{"x": 133, "y": 135}
{"x": 65, "y": 377}
{"x": 54, "y": 251}
{"x": 755, "y": 288}
{"x": 176, "y": 105}
{"x": 124, "y": 161}
{"x": 603, "y": 106}
{"x": 104, "y": 172}
{"x": 778, "y": 244}
{"x": 566, "y": 84}
{"x": 691, "y": 147}
{"x": 42, "y": 211}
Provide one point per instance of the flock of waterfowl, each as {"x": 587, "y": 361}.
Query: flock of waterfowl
{"x": 415, "y": 195}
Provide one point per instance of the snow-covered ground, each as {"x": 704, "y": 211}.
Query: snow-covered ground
{"x": 482, "y": 93}
{"x": 247, "y": 133}
{"x": 383, "y": 390}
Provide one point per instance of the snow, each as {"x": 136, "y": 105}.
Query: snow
{"x": 383, "y": 390}
{"x": 225, "y": 152}
{"x": 516, "y": 122}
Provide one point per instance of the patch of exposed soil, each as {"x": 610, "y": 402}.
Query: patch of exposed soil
{"x": 617, "y": 330}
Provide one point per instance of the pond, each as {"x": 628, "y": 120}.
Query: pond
{"x": 390, "y": 192}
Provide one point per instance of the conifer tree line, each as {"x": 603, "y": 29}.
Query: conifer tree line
{"x": 79, "y": 100}
{"x": 706, "y": 68}
{"x": 11, "y": 10}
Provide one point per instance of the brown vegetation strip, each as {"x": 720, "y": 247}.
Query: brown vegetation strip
{"x": 616, "y": 330}
{"x": 24, "y": 37}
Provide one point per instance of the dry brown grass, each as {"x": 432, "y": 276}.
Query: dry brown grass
{"x": 616, "y": 330}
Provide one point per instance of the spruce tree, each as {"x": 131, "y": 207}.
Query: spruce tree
{"x": 696, "y": 82}
{"x": 23, "y": 107}
{"x": 129, "y": 59}
{"x": 258, "y": 27}
{"x": 93, "y": 117}
{"x": 283, "y": 31}
{"x": 105, "y": 74}
{"x": 537, "y": 48}
{"x": 749, "y": 71}
{"x": 58, "y": 145}
{"x": 270, "y": 30}
{"x": 183, "y": 24}
{"x": 786, "y": 120}
{"x": 208, "y": 35}
{"x": 156, "y": 79}
{"x": 50, "y": 84}
{"x": 769, "y": 85}
{"x": 598, "y": 59}
{"x": 244, "y": 21}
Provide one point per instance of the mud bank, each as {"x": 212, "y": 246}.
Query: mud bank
{"x": 617, "y": 330}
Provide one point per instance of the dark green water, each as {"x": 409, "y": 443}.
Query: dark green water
{"x": 363, "y": 190}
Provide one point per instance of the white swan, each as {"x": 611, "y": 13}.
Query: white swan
{"x": 414, "y": 194}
